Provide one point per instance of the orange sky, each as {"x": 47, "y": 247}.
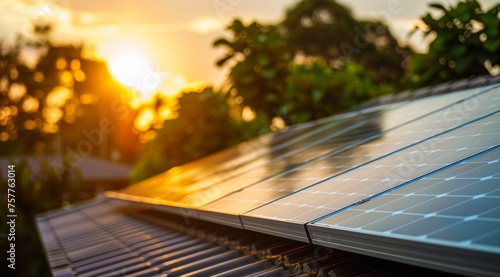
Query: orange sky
{"x": 173, "y": 38}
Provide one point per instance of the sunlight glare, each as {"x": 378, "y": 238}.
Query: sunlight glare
{"x": 206, "y": 25}
{"x": 133, "y": 69}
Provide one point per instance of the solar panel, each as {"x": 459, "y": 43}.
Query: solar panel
{"x": 380, "y": 175}
{"x": 317, "y": 147}
{"x": 370, "y": 149}
{"x": 459, "y": 206}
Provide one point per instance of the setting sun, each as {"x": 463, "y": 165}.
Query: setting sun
{"x": 132, "y": 66}
{"x": 134, "y": 70}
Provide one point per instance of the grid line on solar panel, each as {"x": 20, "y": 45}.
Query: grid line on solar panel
{"x": 458, "y": 205}
{"x": 316, "y": 171}
{"x": 383, "y": 174}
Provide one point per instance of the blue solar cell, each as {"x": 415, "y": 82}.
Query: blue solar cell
{"x": 491, "y": 240}
{"x": 426, "y": 225}
{"x": 391, "y": 222}
{"x": 457, "y": 206}
{"x": 471, "y": 207}
{"x": 464, "y": 231}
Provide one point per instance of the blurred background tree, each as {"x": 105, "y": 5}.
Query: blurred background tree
{"x": 203, "y": 126}
{"x": 318, "y": 62}
{"x": 50, "y": 93}
{"x": 260, "y": 61}
{"x": 466, "y": 42}
{"x": 326, "y": 29}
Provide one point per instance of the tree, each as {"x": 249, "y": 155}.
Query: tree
{"x": 467, "y": 42}
{"x": 317, "y": 91}
{"x": 43, "y": 104}
{"x": 272, "y": 83}
{"x": 203, "y": 126}
{"x": 326, "y": 29}
{"x": 35, "y": 96}
{"x": 260, "y": 59}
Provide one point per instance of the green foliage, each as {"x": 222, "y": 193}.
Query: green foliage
{"x": 37, "y": 192}
{"x": 203, "y": 126}
{"x": 261, "y": 64}
{"x": 467, "y": 39}
{"x": 315, "y": 90}
{"x": 265, "y": 75}
{"x": 327, "y": 30}
{"x": 320, "y": 27}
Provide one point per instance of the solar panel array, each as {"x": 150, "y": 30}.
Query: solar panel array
{"x": 422, "y": 173}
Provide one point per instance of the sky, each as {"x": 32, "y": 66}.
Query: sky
{"x": 173, "y": 39}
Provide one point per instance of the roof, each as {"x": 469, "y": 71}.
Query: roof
{"x": 93, "y": 170}
{"x": 110, "y": 238}
{"x": 415, "y": 181}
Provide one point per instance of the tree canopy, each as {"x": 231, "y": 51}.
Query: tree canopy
{"x": 327, "y": 29}
{"x": 466, "y": 42}
{"x": 319, "y": 61}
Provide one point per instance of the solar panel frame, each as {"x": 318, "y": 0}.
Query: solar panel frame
{"x": 441, "y": 257}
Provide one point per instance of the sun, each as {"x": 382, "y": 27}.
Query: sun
{"x": 133, "y": 69}
{"x": 133, "y": 65}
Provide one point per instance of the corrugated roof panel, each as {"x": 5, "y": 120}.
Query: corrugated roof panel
{"x": 136, "y": 241}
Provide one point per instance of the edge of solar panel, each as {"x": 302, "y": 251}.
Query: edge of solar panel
{"x": 471, "y": 82}
{"x": 229, "y": 219}
{"x": 285, "y": 229}
{"x": 436, "y": 256}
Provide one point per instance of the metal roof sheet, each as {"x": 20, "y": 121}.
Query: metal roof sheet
{"x": 107, "y": 237}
